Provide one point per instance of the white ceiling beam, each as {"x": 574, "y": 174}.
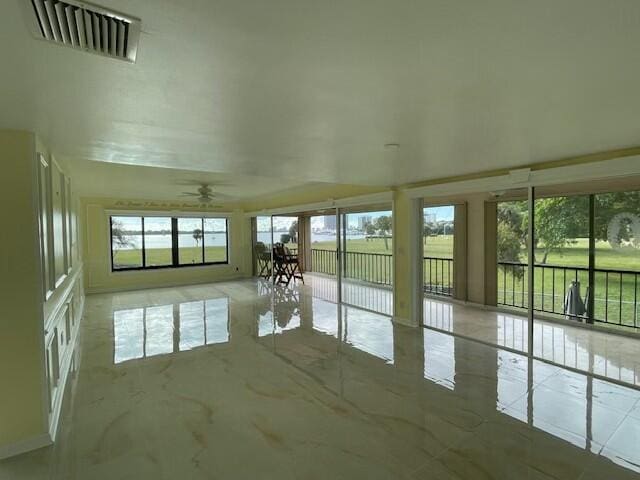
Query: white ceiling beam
{"x": 522, "y": 178}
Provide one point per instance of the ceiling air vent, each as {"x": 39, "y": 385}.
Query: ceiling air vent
{"x": 86, "y": 27}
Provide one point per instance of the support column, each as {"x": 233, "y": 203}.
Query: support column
{"x": 491, "y": 253}
{"x": 254, "y": 240}
{"x": 304, "y": 243}
{"x": 531, "y": 265}
{"x": 407, "y": 260}
{"x": 460, "y": 252}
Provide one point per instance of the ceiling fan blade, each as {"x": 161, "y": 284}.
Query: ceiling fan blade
{"x": 202, "y": 182}
{"x": 221, "y": 195}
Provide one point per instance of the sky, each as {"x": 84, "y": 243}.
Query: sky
{"x": 441, "y": 213}
{"x": 317, "y": 222}
{"x": 164, "y": 223}
{"x": 280, "y": 222}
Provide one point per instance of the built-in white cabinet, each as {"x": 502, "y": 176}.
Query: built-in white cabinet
{"x": 63, "y": 293}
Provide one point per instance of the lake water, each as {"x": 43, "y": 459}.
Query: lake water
{"x": 265, "y": 237}
{"x": 218, "y": 239}
{"x": 185, "y": 240}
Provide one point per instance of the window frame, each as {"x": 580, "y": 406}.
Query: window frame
{"x": 175, "y": 262}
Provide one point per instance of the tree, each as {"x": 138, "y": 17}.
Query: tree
{"x": 383, "y": 226}
{"x": 369, "y": 230}
{"x": 426, "y": 231}
{"x": 120, "y": 238}
{"x": 511, "y": 215}
{"x": 559, "y": 221}
{"x": 511, "y": 232}
{"x": 509, "y": 243}
{"x": 197, "y": 235}
{"x": 293, "y": 231}
{"x": 610, "y": 204}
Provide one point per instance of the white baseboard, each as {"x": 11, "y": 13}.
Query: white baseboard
{"x": 24, "y": 446}
{"x": 108, "y": 289}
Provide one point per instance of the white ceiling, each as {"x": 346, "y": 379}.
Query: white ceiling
{"x": 102, "y": 179}
{"x": 311, "y": 90}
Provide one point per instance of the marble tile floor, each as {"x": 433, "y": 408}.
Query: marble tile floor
{"x": 245, "y": 380}
{"x": 591, "y": 350}
{"x": 612, "y": 356}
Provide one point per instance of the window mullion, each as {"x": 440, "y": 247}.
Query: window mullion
{"x": 592, "y": 255}
{"x": 203, "y": 236}
{"x": 174, "y": 241}
{"x": 144, "y": 252}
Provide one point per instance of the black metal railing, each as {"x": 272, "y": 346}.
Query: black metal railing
{"x": 378, "y": 268}
{"x": 616, "y": 292}
{"x": 323, "y": 261}
{"x": 438, "y": 275}
{"x": 368, "y": 267}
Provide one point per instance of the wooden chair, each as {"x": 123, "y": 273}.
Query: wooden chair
{"x": 264, "y": 259}
{"x": 286, "y": 265}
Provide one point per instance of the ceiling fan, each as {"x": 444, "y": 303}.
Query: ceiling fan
{"x": 204, "y": 194}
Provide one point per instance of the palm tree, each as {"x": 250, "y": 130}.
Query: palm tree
{"x": 197, "y": 235}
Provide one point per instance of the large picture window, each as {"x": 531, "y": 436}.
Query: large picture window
{"x": 190, "y": 244}
{"x": 163, "y": 242}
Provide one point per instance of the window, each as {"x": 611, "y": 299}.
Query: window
{"x": 157, "y": 241}
{"x": 215, "y": 240}
{"x": 126, "y": 242}
{"x": 190, "y": 245}
{"x": 162, "y": 242}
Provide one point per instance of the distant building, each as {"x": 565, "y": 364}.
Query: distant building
{"x": 330, "y": 222}
{"x": 363, "y": 221}
{"x": 429, "y": 218}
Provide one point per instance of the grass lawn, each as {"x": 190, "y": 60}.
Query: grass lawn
{"x": 614, "y": 302}
{"x": 374, "y": 245}
{"x": 162, "y": 256}
{"x": 370, "y": 268}
{"x": 615, "y": 293}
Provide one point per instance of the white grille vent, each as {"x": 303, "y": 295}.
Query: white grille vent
{"x": 86, "y": 27}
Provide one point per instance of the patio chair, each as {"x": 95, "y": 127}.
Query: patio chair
{"x": 286, "y": 265}
{"x": 264, "y": 259}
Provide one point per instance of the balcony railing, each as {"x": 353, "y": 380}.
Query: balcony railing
{"x": 369, "y": 267}
{"x": 378, "y": 268}
{"x": 615, "y": 294}
{"x": 438, "y": 275}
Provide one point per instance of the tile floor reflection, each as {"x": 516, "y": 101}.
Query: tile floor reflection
{"x": 162, "y": 329}
{"x": 245, "y": 380}
{"x": 611, "y": 356}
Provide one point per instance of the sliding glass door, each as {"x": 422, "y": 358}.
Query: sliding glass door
{"x": 366, "y": 243}
{"x": 438, "y": 246}
{"x": 616, "y": 268}
{"x": 262, "y": 245}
